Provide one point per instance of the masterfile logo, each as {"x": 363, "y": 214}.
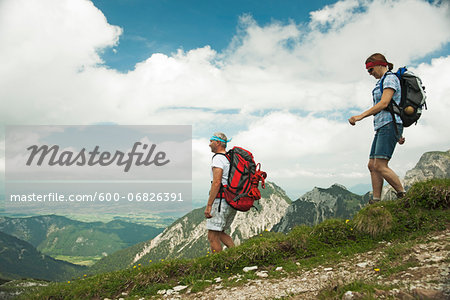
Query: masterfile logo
{"x": 98, "y": 169}
{"x": 98, "y": 152}
{"x": 94, "y": 157}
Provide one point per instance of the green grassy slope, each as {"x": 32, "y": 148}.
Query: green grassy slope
{"x": 424, "y": 209}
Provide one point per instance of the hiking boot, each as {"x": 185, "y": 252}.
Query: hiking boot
{"x": 373, "y": 201}
{"x": 401, "y": 194}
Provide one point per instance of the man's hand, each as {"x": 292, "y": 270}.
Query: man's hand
{"x": 401, "y": 141}
{"x": 208, "y": 211}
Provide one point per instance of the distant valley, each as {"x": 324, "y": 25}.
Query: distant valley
{"x": 19, "y": 259}
{"x": 76, "y": 241}
{"x": 30, "y": 245}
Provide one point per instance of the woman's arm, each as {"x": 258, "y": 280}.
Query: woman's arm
{"x": 384, "y": 102}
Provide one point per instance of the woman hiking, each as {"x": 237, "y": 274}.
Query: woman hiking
{"x": 386, "y": 135}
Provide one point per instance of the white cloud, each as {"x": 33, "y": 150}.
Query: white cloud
{"x": 310, "y": 77}
{"x": 47, "y": 46}
{"x": 432, "y": 126}
{"x": 308, "y": 149}
{"x": 334, "y": 15}
{"x": 53, "y": 34}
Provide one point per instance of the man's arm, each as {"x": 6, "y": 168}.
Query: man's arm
{"x": 215, "y": 187}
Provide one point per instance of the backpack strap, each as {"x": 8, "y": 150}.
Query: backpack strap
{"x": 392, "y": 103}
{"x": 390, "y": 107}
{"x": 391, "y": 110}
{"x": 224, "y": 154}
{"x": 221, "y": 185}
{"x": 382, "y": 80}
{"x": 221, "y": 196}
{"x": 227, "y": 155}
{"x": 381, "y": 87}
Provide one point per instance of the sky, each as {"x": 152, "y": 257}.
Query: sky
{"x": 280, "y": 78}
{"x": 166, "y": 26}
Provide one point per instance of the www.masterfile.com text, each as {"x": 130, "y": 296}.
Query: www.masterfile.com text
{"x": 101, "y": 197}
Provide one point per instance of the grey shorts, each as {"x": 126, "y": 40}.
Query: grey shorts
{"x": 222, "y": 220}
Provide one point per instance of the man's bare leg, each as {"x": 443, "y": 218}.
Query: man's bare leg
{"x": 214, "y": 240}
{"x": 226, "y": 239}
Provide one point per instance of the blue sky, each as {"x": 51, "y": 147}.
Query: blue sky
{"x": 166, "y": 26}
{"x": 279, "y": 77}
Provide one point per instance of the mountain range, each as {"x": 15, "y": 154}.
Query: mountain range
{"x": 20, "y": 259}
{"x": 123, "y": 244}
{"x": 59, "y": 236}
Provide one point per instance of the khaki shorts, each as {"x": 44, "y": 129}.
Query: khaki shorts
{"x": 222, "y": 220}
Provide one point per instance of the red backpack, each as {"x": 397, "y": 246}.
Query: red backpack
{"x": 243, "y": 180}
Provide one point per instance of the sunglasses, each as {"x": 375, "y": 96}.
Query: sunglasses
{"x": 370, "y": 70}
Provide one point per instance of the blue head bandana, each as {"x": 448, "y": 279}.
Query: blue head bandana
{"x": 216, "y": 138}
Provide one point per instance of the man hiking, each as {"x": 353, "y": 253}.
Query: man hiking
{"x": 218, "y": 212}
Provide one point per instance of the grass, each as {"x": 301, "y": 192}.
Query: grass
{"x": 323, "y": 244}
{"x": 433, "y": 194}
{"x": 374, "y": 220}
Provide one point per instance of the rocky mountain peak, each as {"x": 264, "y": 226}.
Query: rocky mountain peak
{"x": 434, "y": 164}
{"x": 320, "y": 204}
{"x": 339, "y": 186}
{"x": 326, "y": 197}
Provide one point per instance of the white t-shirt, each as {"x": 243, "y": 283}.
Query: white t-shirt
{"x": 220, "y": 161}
